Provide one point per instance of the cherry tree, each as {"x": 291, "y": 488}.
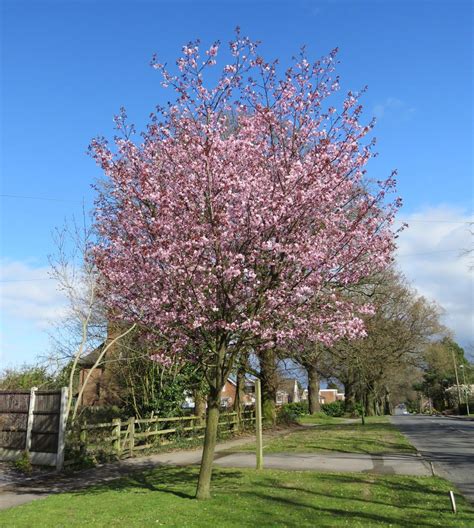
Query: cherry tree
{"x": 244, "y": 202}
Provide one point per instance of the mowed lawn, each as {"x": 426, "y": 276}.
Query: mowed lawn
{"x": 378, "y": 435}
{"x": 247, "y": 498}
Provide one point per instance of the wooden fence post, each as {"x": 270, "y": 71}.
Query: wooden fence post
{"x": 258, "y": 423}
{"x": 29, "y": 423}
{"x": 117, "y": 428}
{"x": 131, "y": 426}
{"x": 83, "y": 439}
{"x": 62, "y": 429}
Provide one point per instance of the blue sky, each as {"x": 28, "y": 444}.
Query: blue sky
{"x": 67, "y": 67}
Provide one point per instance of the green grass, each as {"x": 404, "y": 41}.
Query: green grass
{"x": 320, "y": 418}
{"x": 241, "y": 498}
{"x": 377, "y": 436}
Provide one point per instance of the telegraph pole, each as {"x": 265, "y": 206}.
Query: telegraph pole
{"x": 457, "y": 379}
{"x": 466, "y": 387}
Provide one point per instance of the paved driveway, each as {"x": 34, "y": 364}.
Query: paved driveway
{"x": 448, "y": 443}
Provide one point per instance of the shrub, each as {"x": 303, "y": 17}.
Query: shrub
{"x": 296, "y": 408}
{"x": 286, "y": 416}
{"x": 335, "y": 409}
{"x": 23, "y": 464}
{"x": 101, "y": 414}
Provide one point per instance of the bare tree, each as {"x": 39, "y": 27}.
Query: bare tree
{"x": 83, "y": 326}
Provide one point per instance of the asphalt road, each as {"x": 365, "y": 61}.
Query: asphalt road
{"x": 448, "y": 443}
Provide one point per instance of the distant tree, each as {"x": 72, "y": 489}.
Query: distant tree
{"x": 26, "y": 377}
{"x": 439, "y": 373}
{"x": 397, "y": 333}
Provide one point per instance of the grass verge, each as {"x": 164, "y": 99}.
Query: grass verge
{"x": 320, "y": 419}
{"x": 241, "y": 498}
{"x": 378, "y": 435}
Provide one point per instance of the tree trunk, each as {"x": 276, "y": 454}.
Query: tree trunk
{"x": 387, "y": 402}
{"x": 313, "y": 390}
{"x": 362, "y": 412}
{"x": 239, "y": 394}
{"x": 199, "y": 405}
{"x": 269, "y": 379}
{"x": 369, "y": 403}
{"x": 349, "y": 396}
{"x": 204, "y": 483}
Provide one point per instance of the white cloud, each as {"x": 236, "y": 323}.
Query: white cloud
{"x": 430, "y": 255}
{"x": 393, "y": 108}
{"x": 310, "y": 8}
{"x": 26, "y": 292}
{"x": 27, "y": 308}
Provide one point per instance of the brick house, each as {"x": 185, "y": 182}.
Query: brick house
{"x": 228, "y": 393}
{"x": 330, "y": 396}
{"x": 288, "y": 391}
{"x": 101, "y": 389}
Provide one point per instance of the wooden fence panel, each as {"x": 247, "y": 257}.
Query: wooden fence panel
{"x": 13, "y": 419}
{"x": 47, "y": 401}
{"x": 44, "y": 435}
{"x": 14, "y": 401}
{"x": 34, "y": 428}
{"x": 44, "y": 442}
{"x": 46, "y": 423}
{"x": 13, "y": 439}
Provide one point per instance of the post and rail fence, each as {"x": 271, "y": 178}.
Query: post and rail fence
{"x": 123, "y": 438}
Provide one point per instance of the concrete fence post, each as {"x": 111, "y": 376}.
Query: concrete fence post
{"x": 62, "y": 429}
{"x": 30, "y": 419}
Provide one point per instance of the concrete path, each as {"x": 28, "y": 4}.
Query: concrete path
{"x": 394, "y": 464}
{"x": 447, "y": 442}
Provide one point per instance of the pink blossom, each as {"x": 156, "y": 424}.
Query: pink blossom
{"x": 226, "y": 231}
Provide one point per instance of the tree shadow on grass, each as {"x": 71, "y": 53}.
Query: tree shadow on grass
{"x": 176, "y": 480}
{"x": 418, "y": 496}
{"x": 181, "y": 481}
{"x": 408, "y": 484}
{"x": 276, "y": 499}
{"x": 345, "y": 514}
{"x": 356, "y": 497}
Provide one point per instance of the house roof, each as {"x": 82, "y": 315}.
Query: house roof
{"x": 89, "y": 360}
{"x": 288, "y": 385}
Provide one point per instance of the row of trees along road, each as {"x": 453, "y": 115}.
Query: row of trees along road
{"x": 382, "y": 365}
{"x": 242, "y": 218}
